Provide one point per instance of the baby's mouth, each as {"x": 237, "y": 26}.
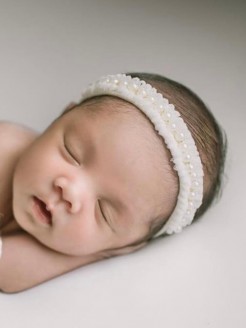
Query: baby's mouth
{"x": 41, "y": 207}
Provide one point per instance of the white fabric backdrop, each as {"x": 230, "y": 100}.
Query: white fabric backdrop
{"x": 50, "y": 50}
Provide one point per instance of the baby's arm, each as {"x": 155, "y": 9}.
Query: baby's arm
{"x": 26, "y": 263}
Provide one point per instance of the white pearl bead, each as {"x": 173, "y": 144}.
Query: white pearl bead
{"x": 187, "y": 157}
{"x": 178, "y": 229}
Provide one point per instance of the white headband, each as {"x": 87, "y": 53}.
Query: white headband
{"x": 173, "y": 130}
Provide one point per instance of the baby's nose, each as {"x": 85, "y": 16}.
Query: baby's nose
{"x": 69, "y": 193}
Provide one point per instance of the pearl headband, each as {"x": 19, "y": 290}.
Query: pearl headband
{"x": 173, "y": 130}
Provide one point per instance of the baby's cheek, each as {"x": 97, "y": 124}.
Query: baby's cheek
{"x": 25, "y": 168}
{"x": 71, "y": 238}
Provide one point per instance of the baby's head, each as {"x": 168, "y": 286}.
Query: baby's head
{"x": 210, "y": 139}
{"x": 148, "y": 184}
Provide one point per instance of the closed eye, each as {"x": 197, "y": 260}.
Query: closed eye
{"x": 70, "y": 153}
{"x": 103, "y": 215}
{"x": 108, "y": 221}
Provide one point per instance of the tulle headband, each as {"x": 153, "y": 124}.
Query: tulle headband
{"x": 178, "y": 139}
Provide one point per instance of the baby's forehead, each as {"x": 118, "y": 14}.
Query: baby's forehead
{"x": 138, "y": 130}
{"x": 119, "y": 110}
{"x": 110, "y": 109}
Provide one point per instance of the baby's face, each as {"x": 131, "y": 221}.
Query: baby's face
{"x": 95, "y": 175}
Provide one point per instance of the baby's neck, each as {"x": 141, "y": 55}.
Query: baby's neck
{"x": 11, "y": 227}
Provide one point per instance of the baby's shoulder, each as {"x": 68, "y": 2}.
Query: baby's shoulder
{"x": 13, "y": 130}
{"x": 14, "y": 138}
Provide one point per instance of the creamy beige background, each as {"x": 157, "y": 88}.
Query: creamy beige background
{"x": 49, "y": 50}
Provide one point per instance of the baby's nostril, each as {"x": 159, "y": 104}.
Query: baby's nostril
{"x": 59, "y": 190}
{"x": 68, "y": 205}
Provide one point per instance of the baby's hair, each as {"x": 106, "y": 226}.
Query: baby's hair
{"x": 209, "y": 137}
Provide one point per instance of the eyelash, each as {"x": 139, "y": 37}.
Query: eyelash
{"x": 102, "y": 212}
{"x": 70, "y": 153}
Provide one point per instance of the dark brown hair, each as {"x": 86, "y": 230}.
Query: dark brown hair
{"x": 208, "y": 135}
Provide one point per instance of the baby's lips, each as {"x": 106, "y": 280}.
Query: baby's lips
{"x": 47, "y": 208}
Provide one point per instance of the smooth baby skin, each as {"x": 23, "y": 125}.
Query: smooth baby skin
{"x": 25, "y": 261}
{"x": 43, "y": 166}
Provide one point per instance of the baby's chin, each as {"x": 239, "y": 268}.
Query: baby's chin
{"x": 21, "y": 225}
